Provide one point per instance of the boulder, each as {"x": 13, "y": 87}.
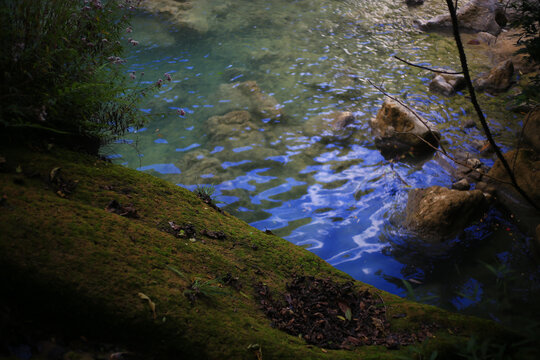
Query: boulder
{"x": 474, "y": 16}
{"x": 397, "y": 130}
{"x": 526, "y": 166}
{"x": 437, "y": 213}
{"x": 248, "y": 94}
{"x": 447, "y": 84}
{"x": 499, "y": 79}
{"x": 531, "y": 129}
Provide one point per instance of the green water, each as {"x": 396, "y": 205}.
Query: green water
{"x": 279, "y": 165}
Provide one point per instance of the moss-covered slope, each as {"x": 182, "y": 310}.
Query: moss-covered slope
{"x": 66, "y": 260}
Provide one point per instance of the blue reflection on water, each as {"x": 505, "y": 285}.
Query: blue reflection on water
{"x": 161, "y": 168}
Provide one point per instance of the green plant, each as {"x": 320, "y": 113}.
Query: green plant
{"x": 205, "y": 192}
{"x": 62, "y": 68}
{"x": 207, "y": 288}
{"x": 527, "y": 20}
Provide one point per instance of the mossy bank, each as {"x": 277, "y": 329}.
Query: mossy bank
{"x": 70, "y": 260}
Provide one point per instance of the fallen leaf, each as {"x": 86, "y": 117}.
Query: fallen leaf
{"x": 150, "y": 303}
{"x": 53, "y": 173}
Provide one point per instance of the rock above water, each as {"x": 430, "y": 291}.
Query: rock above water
{"x": 531, "y": 129}
{"x": 474, "y": 16}
{"x": 397, "y": 130}
{"x": 447, "y": 84}
{"x": 526, "y": 166}
{"x": 437, "y": 213}
{"x": 499, "y": 79}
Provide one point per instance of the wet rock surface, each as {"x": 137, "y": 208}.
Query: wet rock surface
{"x": 474, "y": 16}
{"x": 398, "y": 130}
{"x": 531, "y": 129}
{"x": 499, "y": 79}
{"x": 447, "y": 84}
{"x": 437, "y": 213}
{"x": 526, "y": 166}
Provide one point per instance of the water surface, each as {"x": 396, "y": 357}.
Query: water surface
{"x": 279, "y": 165}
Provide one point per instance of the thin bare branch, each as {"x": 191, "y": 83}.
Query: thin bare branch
{"x": 430, "y": 69}
{"x": 474, "y": 101}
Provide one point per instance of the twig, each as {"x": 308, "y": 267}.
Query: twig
{"x": 430, "y": 69}
{"x": 385, "y": 309}
{"x": 474, "y": 101}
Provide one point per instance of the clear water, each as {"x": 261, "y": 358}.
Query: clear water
{"x": 287, "y": 171}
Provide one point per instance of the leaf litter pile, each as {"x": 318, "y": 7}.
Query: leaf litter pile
{"x": 334, "y": 316}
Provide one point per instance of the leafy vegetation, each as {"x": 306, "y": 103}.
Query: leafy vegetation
{"x": 528, "y": 17}
{"x": 62, "y": 68}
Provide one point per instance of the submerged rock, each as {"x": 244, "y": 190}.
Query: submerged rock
{"x": 248, "y": 94}
{"x": 499, "y": 79}
{"x": 180, "y": 12}
{"x": 397, "y": 130}
{"x": 235, "y": 124}
{"x": 474, "y": 16}
{"x": 333, "y": 123}
{"x": 437, "y": 213}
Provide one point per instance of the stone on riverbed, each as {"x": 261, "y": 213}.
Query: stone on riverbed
{"x": 333, "y": 123}
{"x": 248, "y": 94}
{"x": 447, "y": 84}
{"x": 531, "y": 129}
{"x": 180, "y": 13}
{"x": 437, "y": 213}
{"x": 499, "y": 79}
{"x": 397, "y": 131}
{"x": 238, "y": 124}
{"x": 474, "y": 16}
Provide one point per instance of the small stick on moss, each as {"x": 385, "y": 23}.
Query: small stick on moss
{"x": 385, "y": 309}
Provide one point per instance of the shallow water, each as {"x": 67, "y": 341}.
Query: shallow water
{"x": 281, "y": 167}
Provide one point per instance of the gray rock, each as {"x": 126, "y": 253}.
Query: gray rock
{"x": 439, "y": 85}
{"x": 397, "y": 130}
{"x": 447, "y": 84}
{"x": 462, "y": 184}
{"x": 437, "y": 213}
{"x": 486, "y": 38}
{"x": 474, "y": 16}
{"x": 499, "y": 79}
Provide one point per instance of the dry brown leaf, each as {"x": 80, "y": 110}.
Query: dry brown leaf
{"x": 150, "y": 303}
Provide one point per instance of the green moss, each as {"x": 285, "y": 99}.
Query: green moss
{"x": 83, "y": 266}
